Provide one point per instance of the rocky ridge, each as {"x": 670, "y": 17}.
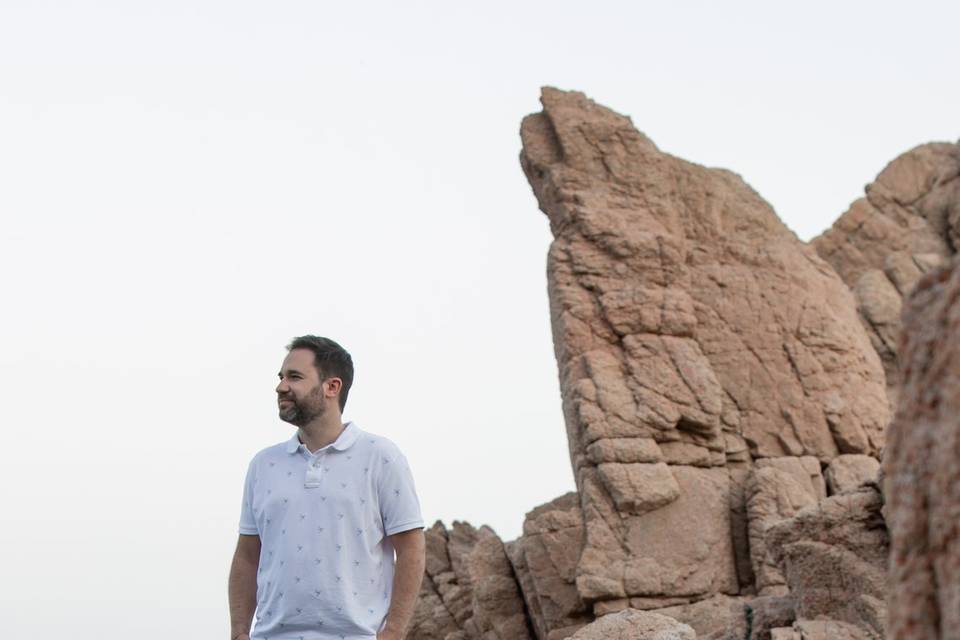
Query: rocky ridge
{"x": 726, "y": 392}
{"x": 907, "y": 224}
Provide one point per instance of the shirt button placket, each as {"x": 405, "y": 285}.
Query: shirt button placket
{"x": 314, "y": 471}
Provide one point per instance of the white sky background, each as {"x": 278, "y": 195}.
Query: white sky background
{"x": 187, "y": 185}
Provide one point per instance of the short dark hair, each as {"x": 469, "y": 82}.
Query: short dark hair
{"x": 330, "y": 359}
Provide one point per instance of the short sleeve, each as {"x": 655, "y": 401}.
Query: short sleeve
{"x": 248, "y": 524}
{"x": 399, "y": 505}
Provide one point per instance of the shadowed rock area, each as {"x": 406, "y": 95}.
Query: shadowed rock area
{"x": 922, "y": 480}
{"x": 726, "y": 391}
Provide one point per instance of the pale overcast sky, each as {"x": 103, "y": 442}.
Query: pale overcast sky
{"x": 188, "y": 185}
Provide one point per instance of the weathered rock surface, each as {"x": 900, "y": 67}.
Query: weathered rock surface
{"x": 469, "y": 589}
{"x": 772, "y": 496}
{"x": 694, "y": 334}
{"x": 819, "y": 630}
{"x": 718, "y": 618}
{"x": 431, "y": 618}
{"x": 445, "y": 597}
{"x": 921, "y": 468}
{"x": 725, "y": 394}
{"x": 498, "y": 610}
{"x": 633, "y": 624}
{"x": 767, "y": 613}
{"x": 545, "y": 562}
{"x": 850, "y": 471}
{"x": 805, "y": 470}
{"x": 834, "y": 556}
{"x": 908, "y": 224}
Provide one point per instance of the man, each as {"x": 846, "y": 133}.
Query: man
{"x": 322, "y": 515}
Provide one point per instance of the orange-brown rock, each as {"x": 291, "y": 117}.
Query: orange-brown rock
{"x": 498, "y": 610}
{"x": 908, "y": 224}
{"x": 820, "y": 630}
{"x": 633, "y": 624}
{"x": 545, "y": 563}
{"x": 717, "y": 618}
{"x": 922, "y": 466}
{"x": 851, "y": 471}
{"x": 834, "y": 559}
{"x": 725, "y": 394}
{"x": 767, "y": 613}
{"x": 694, "y": 334}
{"x": 469, "y": 591}
{"x": 442, "y": 599}
{"x": 772, "y": 495}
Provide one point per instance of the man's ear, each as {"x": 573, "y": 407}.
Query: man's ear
{"x": 332, "y": 387}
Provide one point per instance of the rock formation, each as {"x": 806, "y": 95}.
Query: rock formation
{"x": 445, "y": 594}
{"x": 694, "y": 335}
{"x": 469, "y": 588}
{"x": 726, "y": 392}
{"x": 908, "y": 224}
{"x": 631, "y": 624}
{"x": 545, "y": 562}
{"x": 834, "y": 556}
{"x": 922, "y": 472}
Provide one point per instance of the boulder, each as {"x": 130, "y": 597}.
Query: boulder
{"x": 682, "y": 549}
{"x": 498, "y": 609}
{"x": 804, "y": 469}
{"x": 830, "y": 630}
{"x": 834, "y": 558}
{"x": 718, "y": 618}
{"x": 431, "y": 618}
{"x": 772, "y": 496}
{"x": 445, "y": 600}
{"x": 768, "y": 613}
{"x": 545, "y": 559}
{"x": 848, "y": 472}
{"x": 633, "y": 624}
{"x": 921, "y": 469}
{"x": 469, "y": 591}
{"x": 820, "y": 630}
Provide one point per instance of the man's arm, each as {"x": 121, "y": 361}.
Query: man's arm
{"x": 242, "y": 586}
{"x": 407, "y": 576}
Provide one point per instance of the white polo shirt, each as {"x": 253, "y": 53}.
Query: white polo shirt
{"x": 326, "y": 565}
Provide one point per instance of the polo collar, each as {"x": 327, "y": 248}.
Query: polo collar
{"x": 343, "y": 442}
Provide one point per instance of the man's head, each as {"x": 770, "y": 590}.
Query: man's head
{"x": 316, "y": 376}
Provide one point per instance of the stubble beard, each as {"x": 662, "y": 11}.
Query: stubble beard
{"x": 301, "y": 412}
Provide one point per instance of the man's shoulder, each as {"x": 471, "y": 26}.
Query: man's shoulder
{"x": 269, "y": 454}
{"x": 376, "y": 442}
{"x": 387, "y": 455}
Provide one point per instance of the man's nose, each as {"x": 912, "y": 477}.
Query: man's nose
{"x": 283, "y": 387}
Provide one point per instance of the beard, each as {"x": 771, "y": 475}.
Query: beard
{"x": 301, "y": 411}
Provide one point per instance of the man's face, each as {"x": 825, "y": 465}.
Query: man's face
{"x": 301, "y": 393}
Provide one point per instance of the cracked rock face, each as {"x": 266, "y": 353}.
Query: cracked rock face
{"x": 908, "y": 224}
{"x": 921, "y": 469}
{"x": 445, "y": 594}
{"x": 834, "y": 559}
{"x": 695, "y": 335}
{"x": 469, "y": 590}
{"x": 772, "y": 495}
{"x": 726, "y": 394}
{"x": 545, "y": 563}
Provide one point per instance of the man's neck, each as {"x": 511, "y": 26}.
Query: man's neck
{"x": 318, "y": 433}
